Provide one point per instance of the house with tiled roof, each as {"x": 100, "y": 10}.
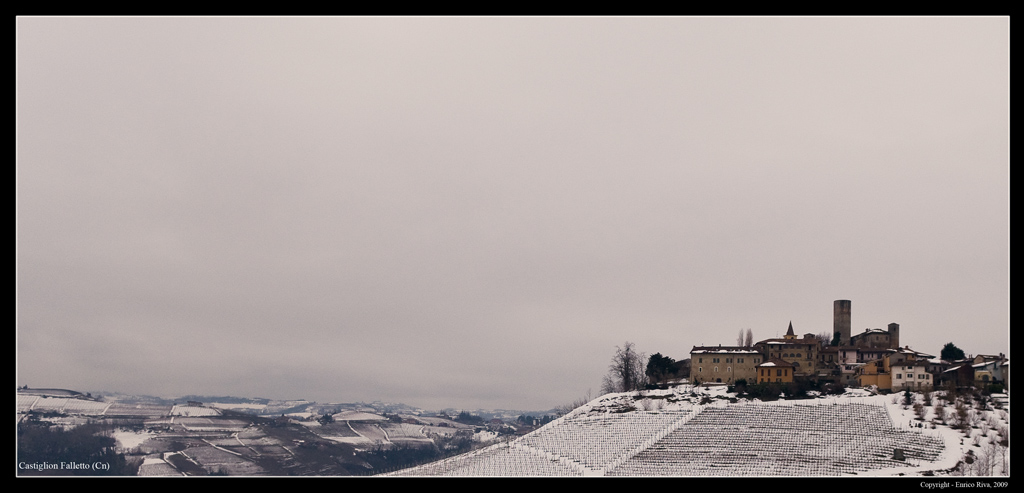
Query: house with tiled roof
{"x": 960, "y": 374}
{"x": 989, "y": 372}
{"x": 723, "y": 364}
{"x": 801, "y": 353}
{"x": 897, "y": 370}
{"x": 775, "y": 370}
{"x": 911, "y": 375}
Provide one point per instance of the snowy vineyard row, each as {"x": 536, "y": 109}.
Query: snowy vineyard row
{"x": 757, "y": 439}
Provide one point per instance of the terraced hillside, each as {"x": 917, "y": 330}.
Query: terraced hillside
{"x": 752, "y": 439}
{"x": 773, "y": 440}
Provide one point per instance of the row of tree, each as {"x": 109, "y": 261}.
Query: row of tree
{"x": 745, "y": 339}
{"x": 632, "y": 370}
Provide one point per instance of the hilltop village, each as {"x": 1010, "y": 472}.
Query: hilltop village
{"x": 873, "y": 358}
{"x": 777, "y": 407}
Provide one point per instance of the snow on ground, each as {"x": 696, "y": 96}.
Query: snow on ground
{"x": 485, "y": 436}
{"x": 156, "y": 466}
{"x": 358, "y": 416}
{"x": 349, "y": 440}
{"x": 684, "y": 397}
{"x": 979, "y": 444}
{"x": 180, "y": 410}
{"x": 441, "y": 430}
{"x": 128, "y": 439}
{"x": 228, "y": 405}
{"x": 858, "y": 393}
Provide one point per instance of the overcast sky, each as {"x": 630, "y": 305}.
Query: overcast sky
{"x": 474, "y": 212}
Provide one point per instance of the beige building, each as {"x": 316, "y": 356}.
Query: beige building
{"x": 898, "y": 370}
{"x": 878, "y": 338}
{"x": 911, "y": 375}
{"x": 775, "y": 370}
{"x": 802, "y": 353}
{"x": 723, "y": 364}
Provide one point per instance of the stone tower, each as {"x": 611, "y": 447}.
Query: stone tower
{"x": 841, "y": 321}
{"x": 894, "y": 335}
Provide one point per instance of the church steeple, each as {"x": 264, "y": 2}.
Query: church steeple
{"x": 789, "y": 333}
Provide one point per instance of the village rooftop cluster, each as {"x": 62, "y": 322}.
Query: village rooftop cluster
{"x": 873, "y": 358}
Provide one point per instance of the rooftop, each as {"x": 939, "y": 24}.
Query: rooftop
{"x": 777, "y": 362}
{"x": 723, "y": 349}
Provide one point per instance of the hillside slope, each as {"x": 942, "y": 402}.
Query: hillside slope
{"x": 671, "y": 433}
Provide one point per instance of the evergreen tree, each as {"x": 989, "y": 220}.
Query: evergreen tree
{"x": 951, "y": 353}
{"x": 659, "y": 368}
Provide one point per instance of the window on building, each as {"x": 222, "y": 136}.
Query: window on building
{"x": 899, "y": 376}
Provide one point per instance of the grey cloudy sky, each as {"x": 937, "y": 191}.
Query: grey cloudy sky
{"x": 474, "y": 212}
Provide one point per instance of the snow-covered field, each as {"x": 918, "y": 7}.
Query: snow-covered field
{"x": 156, "y": 466}
{"x": 180, "y": 410}
{"x": 357, "y": 416}
{"x": 688, "y": 431}
{"x": 127, "y": 439}
{"x": 241, "y": 406}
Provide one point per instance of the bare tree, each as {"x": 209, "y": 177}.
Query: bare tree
{"x": 961, "y": 417}
{"x": 920, "y": 411}
{"x": 824, "y": 338}
{"x": 739, "y": 338}
{"x": 940, "y": 412}
{"x": 627, "y": 370}
{"x": 566, "y": 408}
{"x": 609, "y": 385}
{"x": 748, "y": 341}
{"x": 983, "y": 462}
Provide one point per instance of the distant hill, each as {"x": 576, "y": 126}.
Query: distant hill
{"x": 51, "y": 392}
{"x": 203, "y": 435}
{"x": 681, "y": 431}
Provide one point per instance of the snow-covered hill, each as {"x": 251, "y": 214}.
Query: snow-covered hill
{"x": 688, "y": 431}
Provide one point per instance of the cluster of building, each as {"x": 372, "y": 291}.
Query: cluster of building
{"x": 871, "y": 358}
